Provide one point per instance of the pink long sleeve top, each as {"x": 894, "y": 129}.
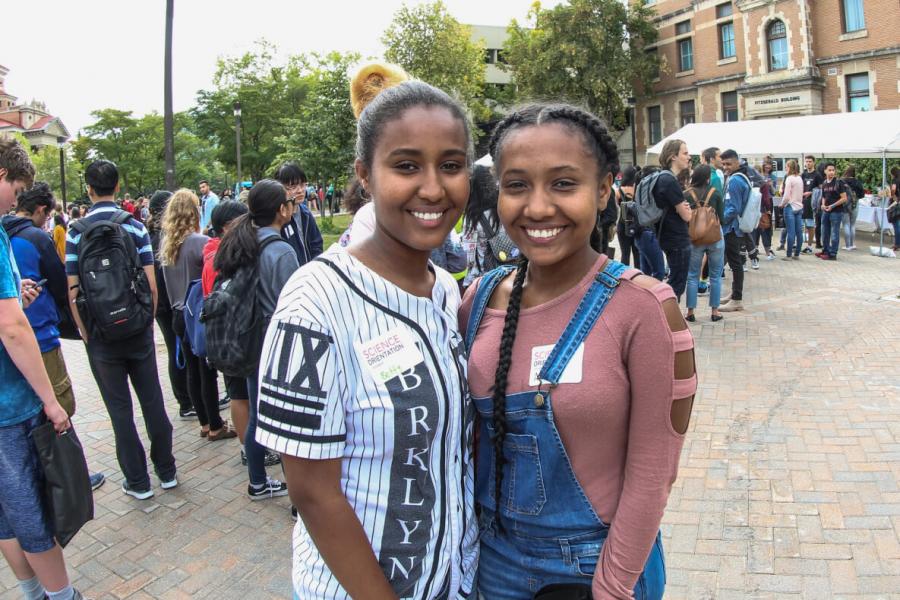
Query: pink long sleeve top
{"x": 616, "y": 423}
{"x": 793, "y": 192}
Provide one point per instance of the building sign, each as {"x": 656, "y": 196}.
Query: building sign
{"x": 793, "y": 102}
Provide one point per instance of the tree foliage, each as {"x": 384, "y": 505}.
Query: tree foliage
{"x": 268, "y": 91}
{"x": 321, "y": 135}
{"x": 46, "y": 166}
{"x": 136, "y": 145}
{"x": 434, "y": 47}
{"x": 588, "y": 52}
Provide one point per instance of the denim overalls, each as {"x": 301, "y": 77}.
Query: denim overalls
{"x": 550, "y": 533}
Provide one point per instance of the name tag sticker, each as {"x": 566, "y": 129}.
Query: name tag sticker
{"x": 389, "y": 355}
{"x": 572, "y": 372}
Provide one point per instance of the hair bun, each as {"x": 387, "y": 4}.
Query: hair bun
{"x": 370, "y": 81}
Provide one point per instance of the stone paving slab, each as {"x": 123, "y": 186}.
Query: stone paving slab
{"x": 788, "y": 485}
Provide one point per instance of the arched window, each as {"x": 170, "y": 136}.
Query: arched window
{"x": 776, "y": 35}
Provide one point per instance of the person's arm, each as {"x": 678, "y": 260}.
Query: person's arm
{"x": 53, "y": 270}
{"x": 150, "y": 271}
{"x": 732, "y": 201}
{"x": 684, "y": 211}
{"x": 315, "y": 489}
{"x": 76, "y": 316}
{"x": 660, "y": 370}
{"x": 21, "y": 345}
{"x": 313, "y": 236}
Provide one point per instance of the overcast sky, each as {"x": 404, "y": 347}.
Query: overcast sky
{"x": 82, "y": 55}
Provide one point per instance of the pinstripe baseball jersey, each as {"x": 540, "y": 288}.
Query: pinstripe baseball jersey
{"x": 355, "y": 368}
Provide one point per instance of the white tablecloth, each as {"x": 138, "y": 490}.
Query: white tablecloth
{"x": 875, "y": 215}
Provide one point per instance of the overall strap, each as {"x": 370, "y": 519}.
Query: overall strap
{"x": 486, "y": 287}
{"x": 583, "y": 321}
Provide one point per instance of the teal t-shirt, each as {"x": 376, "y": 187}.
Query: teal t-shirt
{"x": 18, "y": 402}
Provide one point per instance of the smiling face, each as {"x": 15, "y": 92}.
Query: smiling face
{"x": 550, "y": 192}
{"x": 418, "y": 177}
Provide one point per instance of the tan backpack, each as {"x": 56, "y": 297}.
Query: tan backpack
{"x": 704, "y": 227}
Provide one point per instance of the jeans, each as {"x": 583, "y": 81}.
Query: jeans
{"x": 716, "y": 253}
{"x": 256, "y": 453}
{"x": 679, "y": 260}
{"x": 629, "y": 246}
{"x": 113, "y": 365}
{"x": 831, "y": 232}
{"x": 23, "y": 511}
{"x": 202, "y": 380}
{"x": 896, "y": 226}
{"x": 849, "y": 223}
{"x": 793, "y": 222}
{"x": 177, "y": 377}
{"x": 766, "y": 235}
{"x": 734, "y": 244}
{"x": 818, "y": 233}
{"x": 652, "y": 260}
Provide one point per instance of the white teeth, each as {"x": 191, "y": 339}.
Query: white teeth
{"x": 543, "y": 233}
{"x": 427, "y": 216}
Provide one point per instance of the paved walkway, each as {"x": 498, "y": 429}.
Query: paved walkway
{"x": 788, "y": 484}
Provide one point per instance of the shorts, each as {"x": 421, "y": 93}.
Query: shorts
{"x": 236, "y": 387}
{"x": 809, "y": 223}
{"x": 59, "y": 377}
{"x": 23, "y": 514}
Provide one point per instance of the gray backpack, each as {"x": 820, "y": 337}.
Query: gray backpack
{"x": 646, "y": 210}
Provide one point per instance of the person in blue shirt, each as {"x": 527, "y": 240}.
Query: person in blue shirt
{"x": 208, "y": 203}
{"x": 737, "y": 195}
{"x": 27, "y": 401}
{"x": 301, "y": 233}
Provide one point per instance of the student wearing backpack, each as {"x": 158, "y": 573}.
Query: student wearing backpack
{"x": 700, "y": 195}
{"x": 653, "y": 261}
{"x": 855, "y": 191}
{"x": 253, "y": 243}
{"x": 222, "y": 220}
{"x": 626, "y": 227}
{"x": 812, "y": 181}
{"x": 737, "y": 197}
{"x": 181, "y": 256}
{"x": 834, "y": 198}
{"x": 116, "y": 324}
{"x": 673, "y": 229}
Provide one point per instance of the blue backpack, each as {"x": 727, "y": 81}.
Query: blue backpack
{"x": 194, "y": 328}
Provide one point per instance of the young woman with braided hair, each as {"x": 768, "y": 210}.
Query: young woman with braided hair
{"x": 585, "y": 406}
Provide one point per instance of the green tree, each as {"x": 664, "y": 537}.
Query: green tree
{"x": 268, "y": 92}
{"x": 46, "y": 166}
{"x": 589, "y": 52}
{"x": 321, "y": 136}
{"x": 434, "y": 47}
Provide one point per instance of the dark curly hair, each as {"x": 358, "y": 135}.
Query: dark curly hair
{"x": 601, "y": 145}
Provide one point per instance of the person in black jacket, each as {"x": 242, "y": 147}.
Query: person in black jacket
{"x": 848, "y": 221}
{"x": 301, "y": 233}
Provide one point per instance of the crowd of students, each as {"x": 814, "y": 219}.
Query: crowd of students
{"x": 371, "y": 379}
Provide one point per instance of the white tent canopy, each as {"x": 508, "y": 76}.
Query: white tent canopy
{"x": 874, "y": 134}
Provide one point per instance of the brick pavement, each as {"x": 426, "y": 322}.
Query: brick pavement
{"x": 788, "y": 485}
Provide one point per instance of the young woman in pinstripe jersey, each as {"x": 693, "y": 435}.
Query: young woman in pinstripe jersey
{"x": 362, "y": 379}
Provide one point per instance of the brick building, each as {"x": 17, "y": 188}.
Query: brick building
{"x": 751, "y": 59}
{"x": 31, "y": 119}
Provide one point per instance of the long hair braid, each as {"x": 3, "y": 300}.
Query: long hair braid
{"x": 507, "y": 339}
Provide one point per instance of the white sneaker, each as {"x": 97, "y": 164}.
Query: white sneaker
{"x": 168, "y": 485}
{"x": 136, "y": 493}
{"x": 755, "y": 264}
{"x": 732, "y": 306}
{"x": 770, "y": 257}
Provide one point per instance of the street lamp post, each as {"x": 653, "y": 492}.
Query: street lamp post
{"x": 62, "y": 169}
{"x": 237, "y": 137}
{"x": 632, "y": 104}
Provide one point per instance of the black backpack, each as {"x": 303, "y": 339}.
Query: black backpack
{"x": 234, "y": 321}
{"x": 114, "y": 297}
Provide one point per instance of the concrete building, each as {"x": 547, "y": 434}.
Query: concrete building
{"x": 30, "y": 119}
{"x": 753, "y": 59}
{"x": 493, "y": 38}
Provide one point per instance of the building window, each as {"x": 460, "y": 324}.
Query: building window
{"x": 686, "y": 109}
{"x": 685, "y": 54}
{"x": 724, "y": 10}
{"x": 489, "y": 56}
{"x": 776, "y": 34}
{"x": 501, "y": 58}
{"x": 729, "y": 106}
{"x": 682, "y": 28}
{"x": 858, "y": 92}
{"x": 726, "y": 40}
{"x": 654, "y": 120}
{"x": 852, "y": 13}
{"x": 651, "y": 54}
